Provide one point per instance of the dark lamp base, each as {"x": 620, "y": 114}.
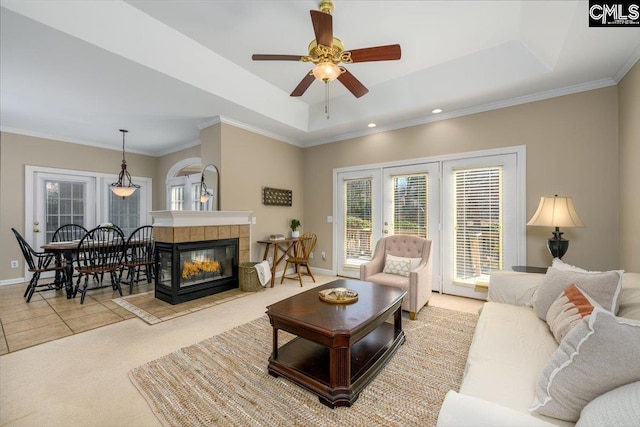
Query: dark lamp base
{"x": 557, "y": 247}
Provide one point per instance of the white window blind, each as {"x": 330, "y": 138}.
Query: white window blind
{"x": 358, "y": 245}
{"x": 478, "y": 223}
{"x": 410, "y": 204}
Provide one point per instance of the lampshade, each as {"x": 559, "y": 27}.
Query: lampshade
{"x": 123, "y": 191}
{"x": 326, "y": 71}
{"x": 204, "y": 198}
{"x": 556, "y": 212}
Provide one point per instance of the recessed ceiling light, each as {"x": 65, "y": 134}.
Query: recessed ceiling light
{"x": 371, "y": 125}
{"x": 437, "y": 111}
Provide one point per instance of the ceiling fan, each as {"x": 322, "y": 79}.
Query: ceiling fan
{"x": 327, "y": 51}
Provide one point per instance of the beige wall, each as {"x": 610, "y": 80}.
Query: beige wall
{"x": 16, "y": 151}
{"x": 251, "y": 162}
{"x": 629, "y": 120}
{"x": 572, "y": 150}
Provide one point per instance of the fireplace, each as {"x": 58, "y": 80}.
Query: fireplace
{"x": 187, "y": 271}
{"x": 197, "y": 252}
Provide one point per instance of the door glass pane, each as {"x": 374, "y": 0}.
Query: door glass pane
{"x": 478, "y": 223}
{"x": 125, "y": 211}
{"x": 410, "y": 205}
{"x": 357, "y": 232}
{"x": 65, "y": 205}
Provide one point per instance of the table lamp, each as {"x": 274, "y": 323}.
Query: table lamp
{"x": 556, "y": 212}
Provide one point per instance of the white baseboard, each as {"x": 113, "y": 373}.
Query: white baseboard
{"x": 12, "y": 281}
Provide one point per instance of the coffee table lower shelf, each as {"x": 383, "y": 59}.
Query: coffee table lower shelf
{"x": 309, "y": 364}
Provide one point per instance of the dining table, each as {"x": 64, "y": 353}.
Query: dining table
{"x": 286, "y": 246}
{"x": 66, "y": 250}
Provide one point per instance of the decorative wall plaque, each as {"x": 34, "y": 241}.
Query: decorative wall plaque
{"x": 276, "y": 197}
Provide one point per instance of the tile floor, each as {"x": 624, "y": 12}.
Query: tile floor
{"x": 50, "y": 315}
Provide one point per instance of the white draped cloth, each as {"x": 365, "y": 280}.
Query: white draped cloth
{"x": 264, "y": 272}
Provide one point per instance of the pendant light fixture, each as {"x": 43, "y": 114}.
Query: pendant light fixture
{"x": 120, "y": 188}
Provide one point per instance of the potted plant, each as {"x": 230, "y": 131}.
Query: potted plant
{"x": 294, "y": 224}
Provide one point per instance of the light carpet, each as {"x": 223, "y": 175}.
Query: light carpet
{"x": 152, "y": 310}
{"x": 224, "y": 381}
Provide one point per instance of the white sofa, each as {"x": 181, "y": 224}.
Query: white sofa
{"x": 512, "y": 347}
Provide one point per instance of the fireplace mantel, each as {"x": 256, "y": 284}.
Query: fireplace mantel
{"x": 199, "y": 218}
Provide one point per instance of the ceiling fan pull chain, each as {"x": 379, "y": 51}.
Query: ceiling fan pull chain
{"x": 326, "y": 99}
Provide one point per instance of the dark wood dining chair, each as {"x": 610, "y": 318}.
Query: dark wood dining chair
{"x": 304, "y": 246}
{"x": 69, "y": 233}
{"x": 100, "y": 251}
{"x": 140, "y": 256}
{"x": 38, "y": 263}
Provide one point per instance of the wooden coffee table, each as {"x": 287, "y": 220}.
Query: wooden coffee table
{"x": 339, "y": 348}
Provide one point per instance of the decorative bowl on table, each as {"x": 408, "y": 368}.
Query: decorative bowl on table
{"x": 338, "y": 295}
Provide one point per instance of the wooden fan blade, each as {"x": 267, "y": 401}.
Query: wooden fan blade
{"x": 258, "y": 57}
{"x": 379, "y": 53}
{"x": 350, "y": 82}
{"x": 322, "y": 27}
{"x": 303, "y": 85}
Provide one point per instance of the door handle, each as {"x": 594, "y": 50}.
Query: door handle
{"x": 35, "y": 230}
{"x": 386, "y": 231}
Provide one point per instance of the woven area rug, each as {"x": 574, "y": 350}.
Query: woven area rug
{"x": 223, "y": 381}
{"x": 152, "y": 310}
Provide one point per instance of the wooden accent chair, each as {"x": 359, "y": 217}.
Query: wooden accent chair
{"x": 38, "y": 263}
{"x": 411, "y": 272}
{"x": 304, "y": 246}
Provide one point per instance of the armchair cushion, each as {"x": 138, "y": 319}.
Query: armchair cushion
{"x": 400, "y": 265}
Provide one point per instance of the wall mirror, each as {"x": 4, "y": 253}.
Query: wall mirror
{"x": 210, "y": 189}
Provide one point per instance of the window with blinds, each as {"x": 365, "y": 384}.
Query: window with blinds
{"x": 410, "y": 204}
{"x": 358, "y": 245}
{"x": 478, "y": 223}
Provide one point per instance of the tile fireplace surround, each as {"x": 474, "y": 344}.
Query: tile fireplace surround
{"x": 197, "y": 226}
{"x": 195, "y": 238}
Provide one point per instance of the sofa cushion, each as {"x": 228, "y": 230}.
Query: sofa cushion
{"x": 603, "y": 287}
{"x": 397, "y": 265}
{"x": 581, "y": 369}
{"x": 510, "y": 348}
{"x": 618, "y": 407}
{"x": 567, "y": 310}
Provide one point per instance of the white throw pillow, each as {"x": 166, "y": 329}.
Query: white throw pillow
{"x": 619, "y": 407}
{"x": 603, "y": 287}
{"x": 598, "y": 355}
{"x": 567, "y": 310}
{"x": 397, "y": 265}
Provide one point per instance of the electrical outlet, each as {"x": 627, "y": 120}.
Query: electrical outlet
{"x": 15, "y": 264}
{"x": 324, "y": 256}
{"x": 311, "y": 255}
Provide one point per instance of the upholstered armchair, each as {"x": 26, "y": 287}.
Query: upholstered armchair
{"x": 403, "y": 262}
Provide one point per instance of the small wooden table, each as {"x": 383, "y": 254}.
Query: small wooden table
{"x": 284, "y": 245}
{"x": 339, "y": 348}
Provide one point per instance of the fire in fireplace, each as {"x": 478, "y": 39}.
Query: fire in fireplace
{"x": 187, "y": 271}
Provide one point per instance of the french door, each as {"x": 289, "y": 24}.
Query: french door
{"x": 471, "y": 206}
{"x": 380, "y": 202}
{"x": 61, "y": 199}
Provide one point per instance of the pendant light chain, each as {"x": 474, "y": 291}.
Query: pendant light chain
{"x": 326, "y": 99}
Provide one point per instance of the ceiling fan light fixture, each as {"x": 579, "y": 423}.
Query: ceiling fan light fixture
{"x": 326, "y": 71}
